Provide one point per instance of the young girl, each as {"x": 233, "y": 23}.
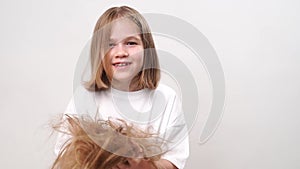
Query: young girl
{"x": 124, "y": 84}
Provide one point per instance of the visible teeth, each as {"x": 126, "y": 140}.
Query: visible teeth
{"x": 121, "y": 64}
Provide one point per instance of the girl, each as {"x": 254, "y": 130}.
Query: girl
{"x": 124, "y": 84}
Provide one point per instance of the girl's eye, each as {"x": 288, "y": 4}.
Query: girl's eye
{"x": 112, "y": 45}
{"x": 131, "y": 43}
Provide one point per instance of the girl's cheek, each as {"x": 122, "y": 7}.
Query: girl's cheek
{"x": 138, "y": 51}
{"x": 109, "y": 55}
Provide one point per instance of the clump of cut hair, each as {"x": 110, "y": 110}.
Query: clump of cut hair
{"x": 100, "y": 79}
{"x": 85, "y": 149}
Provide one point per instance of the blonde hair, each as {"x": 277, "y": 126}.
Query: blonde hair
{"x": 82, "y": 152}
{"x": 150, "y": 74}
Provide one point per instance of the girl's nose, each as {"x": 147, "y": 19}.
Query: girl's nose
{"x": 121, "y": 51}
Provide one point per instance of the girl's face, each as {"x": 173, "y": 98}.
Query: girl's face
{"x": 126, "y": 54}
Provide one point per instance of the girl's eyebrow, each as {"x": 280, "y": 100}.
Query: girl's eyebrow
{"x": 135, "y": 37}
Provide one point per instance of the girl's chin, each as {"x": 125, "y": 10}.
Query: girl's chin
{"x": 121, "y": 80}
{"x": 123, "y": 75}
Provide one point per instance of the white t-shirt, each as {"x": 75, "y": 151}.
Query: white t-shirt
{"x": 159, "y": 109}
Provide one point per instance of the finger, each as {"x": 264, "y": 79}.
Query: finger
{"x": 134, "y": 161}
{"x": 115, "y": 167}
{"x": 123, "y": 165}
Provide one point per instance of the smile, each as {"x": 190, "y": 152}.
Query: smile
{"x": 122, "y": 64}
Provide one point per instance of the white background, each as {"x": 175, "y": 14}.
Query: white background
{"x": 257, "y": 43}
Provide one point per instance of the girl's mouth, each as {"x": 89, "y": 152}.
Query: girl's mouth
{"x": 121, "y": 64}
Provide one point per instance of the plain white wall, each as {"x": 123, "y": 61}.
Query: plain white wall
{"x": 257, "y": 43}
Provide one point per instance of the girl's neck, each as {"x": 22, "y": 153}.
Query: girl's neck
{"x": 126, "y": 87}
{"x": 121, "y": 87}
{"x": 129, "y": 86}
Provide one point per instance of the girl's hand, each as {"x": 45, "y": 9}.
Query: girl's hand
{"x": 135, "y": 164}
{"x": 145, "y": 164}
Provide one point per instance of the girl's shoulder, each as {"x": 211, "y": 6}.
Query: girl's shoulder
{"x": 166, "y": 90}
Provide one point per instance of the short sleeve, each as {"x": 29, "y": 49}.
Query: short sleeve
{"x": 176, "y": 132}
